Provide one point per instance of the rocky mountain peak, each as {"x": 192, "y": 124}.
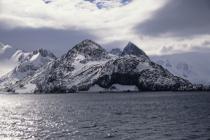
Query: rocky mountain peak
{"x": 87, "y": 48}
{"x": 44, "y": 53}
{"x": 132, "y": 49}
{"x": 87, "y": 44}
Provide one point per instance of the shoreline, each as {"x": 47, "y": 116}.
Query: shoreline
{"x": 110, "y": 92}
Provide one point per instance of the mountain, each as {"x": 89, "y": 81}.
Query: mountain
{"x": 132, "y": 49}
{"x": 28, "y": 64}
{"x": 89, "y": 67}
{"x": 193, "y": 66}
{"x": 116, "y": 51}
{"x": 7, "y": 52}
{"x": 9, "y": 58}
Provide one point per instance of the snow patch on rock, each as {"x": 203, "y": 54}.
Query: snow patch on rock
{"x": 96, "y": 88}
{"x": 114, "y": 88}
{"x": 123, "y": 88}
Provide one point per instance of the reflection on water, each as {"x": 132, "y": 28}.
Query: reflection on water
{"x": 105, "y": 116}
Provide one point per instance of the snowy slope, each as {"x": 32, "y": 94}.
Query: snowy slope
{"x": 9, "y": 58}
{"x": 77, "y": 68}
{"x": 194, "y": 66}
{"x": 89, "y": 67}
{"x": 114, "y": 88}
{"x": 27, "y": 65}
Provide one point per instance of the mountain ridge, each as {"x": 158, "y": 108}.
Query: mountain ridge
{"x": 187, "y": 65}
{"x": 28, "y": 63}
{"x": 89, "y": 67}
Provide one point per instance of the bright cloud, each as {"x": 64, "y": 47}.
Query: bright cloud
{"x": 113, "y": 23}
{"x": 108, "y": 23}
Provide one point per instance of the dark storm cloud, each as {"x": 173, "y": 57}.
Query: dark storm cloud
{"x": 58, "y": 41}
{"x": 179, "y": 18}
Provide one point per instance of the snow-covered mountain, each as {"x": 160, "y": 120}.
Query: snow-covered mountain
{"x": 132, "y": 49}
{"x": 7, "y": 52}
{"x": 9, "y": 58}
{"x": 89, "y": 67}
{"x": 193, "y": 66}
{"x": 27, "y": 64}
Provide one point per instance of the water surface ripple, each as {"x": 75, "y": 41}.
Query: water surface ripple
{"x": 144, "y": 116}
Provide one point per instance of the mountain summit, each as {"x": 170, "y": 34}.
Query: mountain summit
{"x": 88, "y": 49}
{"x": 132, "y": 49}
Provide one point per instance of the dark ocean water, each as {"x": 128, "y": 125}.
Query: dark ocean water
{"x": 144, "y": 116}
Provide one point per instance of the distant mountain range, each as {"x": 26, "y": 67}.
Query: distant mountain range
{"x": 193, "y": 66}
{"x": 26, "y": 65}
{"x": 10, "y": 57}
{"x": 89, "y": 67}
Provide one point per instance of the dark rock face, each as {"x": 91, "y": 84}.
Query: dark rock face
{"x": 132, "y": 71}
{"x": 154, "y": 80}
{"x": 132, "y": 49}
{"x": 89, "y": 49}
{"x": 116, "y": 51}
{"x": 88, "y": 64}
{"x": 44, "y": 53}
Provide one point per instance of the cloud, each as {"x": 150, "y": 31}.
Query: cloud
{"x": 167, "y": 49}
{"x": 56, "y": 40}
{"x": 178, "y": 18}
{"x": 206, "y": 43}
{"x": 112, "y": 24}
{"x": 203, "y": 48}
{"x": 109, "y": 3}
{"x": 60, "y": 24}
{"x": 156, "y": 26}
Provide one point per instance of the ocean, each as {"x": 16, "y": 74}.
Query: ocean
{"x": 114, "y": 116}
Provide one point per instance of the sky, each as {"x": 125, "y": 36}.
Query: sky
{"x": 156, "y": 26}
